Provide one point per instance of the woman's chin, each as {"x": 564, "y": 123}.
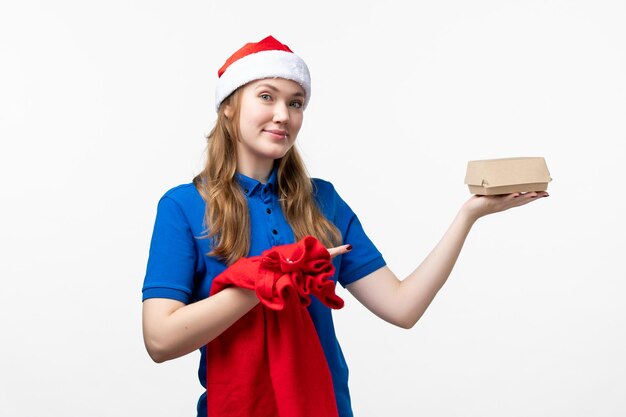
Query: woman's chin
{"x": 278, "y": 153}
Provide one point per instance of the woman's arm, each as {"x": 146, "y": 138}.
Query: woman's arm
{"x": 172, "y": 329}
{"x": 403, "y": 302}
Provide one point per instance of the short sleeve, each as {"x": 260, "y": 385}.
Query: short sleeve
{"x": 172, "y": 258}
{"x": 364, "y": 258}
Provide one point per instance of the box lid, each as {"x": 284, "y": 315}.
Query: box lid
{"x": 507, "y": 171}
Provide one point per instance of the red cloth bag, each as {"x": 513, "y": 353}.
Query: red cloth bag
{"x": 270, "y": 363}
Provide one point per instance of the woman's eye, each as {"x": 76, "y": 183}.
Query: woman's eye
{"x": 296, "y": 104}
{"x": 265, "y": 97}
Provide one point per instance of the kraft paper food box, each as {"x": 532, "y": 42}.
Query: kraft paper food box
{"x": 507, "y": 175}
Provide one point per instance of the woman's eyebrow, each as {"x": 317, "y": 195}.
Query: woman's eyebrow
{"x": 273, "y": 88}
{"x": 270, "y": 86}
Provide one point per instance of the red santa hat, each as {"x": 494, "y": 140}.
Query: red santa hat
{"x": 267, "y": 58}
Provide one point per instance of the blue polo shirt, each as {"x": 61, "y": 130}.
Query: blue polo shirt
{"x": 179, "y": 269}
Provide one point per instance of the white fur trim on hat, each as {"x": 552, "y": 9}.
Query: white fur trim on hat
{"x": 264, "y": 64}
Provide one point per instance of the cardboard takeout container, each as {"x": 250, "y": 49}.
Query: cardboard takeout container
{"x": 507, "y": 175}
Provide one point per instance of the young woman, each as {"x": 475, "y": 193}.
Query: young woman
{"x": 253, "y": 195}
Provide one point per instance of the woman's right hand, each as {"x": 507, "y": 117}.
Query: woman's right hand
{"x": 339, "y": 250}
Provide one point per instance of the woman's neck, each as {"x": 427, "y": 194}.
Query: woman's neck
{"x": 259, "y": 171}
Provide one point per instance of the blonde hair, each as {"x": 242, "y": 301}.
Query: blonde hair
{"x": 226, "y": 217}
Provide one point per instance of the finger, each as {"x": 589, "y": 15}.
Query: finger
{"x": 339, "y": 250}
{"x": 533, "y": 194}
{"x": 530, "y": 197}
{"x": 508, "y": 200}
{"x": 538, "y": 196}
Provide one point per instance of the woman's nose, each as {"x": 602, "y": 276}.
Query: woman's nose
{"x": 281, "y": 113}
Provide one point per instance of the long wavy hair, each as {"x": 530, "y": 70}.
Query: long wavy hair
{"x": 226, "y": 217}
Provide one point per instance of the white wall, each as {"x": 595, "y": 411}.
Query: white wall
{"x": 103, "y": 107}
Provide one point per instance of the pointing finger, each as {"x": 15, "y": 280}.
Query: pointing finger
{"x": 339, "y": 250}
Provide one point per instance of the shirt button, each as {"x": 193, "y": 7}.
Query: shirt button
{"x": 245, "y": 190}
{"x": 275, "y": 231}
{"x": 268, "y": 211}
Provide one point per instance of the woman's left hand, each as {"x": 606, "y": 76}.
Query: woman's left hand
{"x": 479, "y": 206}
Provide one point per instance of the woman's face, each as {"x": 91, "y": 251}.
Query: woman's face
{"x": 270, "y": 117}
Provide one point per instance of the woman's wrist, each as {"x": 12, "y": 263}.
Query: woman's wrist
{"x": 468, "y": 215}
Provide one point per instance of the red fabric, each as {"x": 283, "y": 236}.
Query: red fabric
{"x": 266, "y": 44}
{"x": 270, "y": 363}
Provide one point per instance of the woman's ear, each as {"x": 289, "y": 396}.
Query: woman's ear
{"x": 228, "y": 111}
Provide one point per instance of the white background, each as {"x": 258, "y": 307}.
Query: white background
{"x": 104, "y": 106}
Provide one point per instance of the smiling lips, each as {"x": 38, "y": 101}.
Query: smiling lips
{"x": 277, "y": 134}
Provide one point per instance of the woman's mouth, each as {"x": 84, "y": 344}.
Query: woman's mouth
{"x": 276, "y": 134}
